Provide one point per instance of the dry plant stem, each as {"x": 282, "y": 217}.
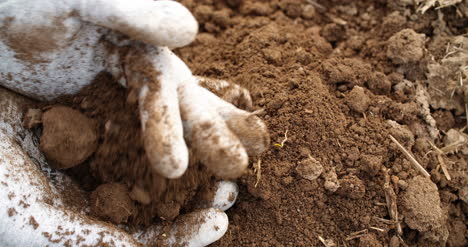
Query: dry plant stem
{"x": 357, "y": 234}
{"x": 466, "y": 115}
{"x": 258, "y": 171}
{"x": 410, "y": 157}
{"x": 385, "y": 221}
{"x": 209, "y": 136}
{"x": 402, "y": 242}
{"x": 326, "y": 242}
{"x": 440, "y": 158}
{"x": 391, "y": 199}
{"x": 377, "y": 229}
{"x": 322, "y": 240}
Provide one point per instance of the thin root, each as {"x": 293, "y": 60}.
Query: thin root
{"x": 327, "y": 242}
{"x": 357, "y": 234}
{"x": 391, "y": 199}
{"x": 283, "y": 141}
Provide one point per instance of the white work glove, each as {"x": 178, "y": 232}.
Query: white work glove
{"x": 49, "y": 48}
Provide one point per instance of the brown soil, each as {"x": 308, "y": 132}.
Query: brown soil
{"x": 339, "y": 77}
{"x": 332, "y": 75}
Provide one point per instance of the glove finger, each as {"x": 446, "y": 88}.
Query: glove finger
{"x": 230, "y": 92}
{"x": 160, "y": 23}
{"x": 196, "y": 229}
{"x": 159, "y": 111}
{"x": 222, "y": 196}
{"x": 225, "y": 195}
{"x": 209, "y": 136}
{"x": 248, "y": 127}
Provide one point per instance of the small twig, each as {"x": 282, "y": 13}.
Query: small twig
{"x": 337, "y": 20}
{"x": 258, "y": 171}
{"x": 322, "y": 240}
{"x": 460, "y": 49}
{"x": 466, "y": 113}
{"x": 453, "y": 147}
{"x": 327, "y": 242}
{"x": 385, "y": 221}
{"x": 410, "y": 157}
{"x": 377, "y": 229}
{"x": 402, "y": 241}
{"x": 357, "y": 234}
{"x": 391, "y": 199}
{"x": 283, "y": 141}
{"x": 381, "y": 204}
{"x": 441, "y": 160}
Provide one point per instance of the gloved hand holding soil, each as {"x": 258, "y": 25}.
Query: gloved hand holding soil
{"x": 130, "y": 136}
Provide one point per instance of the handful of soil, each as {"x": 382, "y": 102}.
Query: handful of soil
{"x": 97, "y": 133}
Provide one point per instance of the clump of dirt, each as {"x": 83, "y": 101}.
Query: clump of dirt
{"x": 68, "y": 137}
{"x": 406, "y": 46}
{"x": 309, "y": 168}
{"x": 422, "y": 210}
{"x": 357, "y": 100}
{"x": 352, "y": 187}
{"x": 112, "y": 202}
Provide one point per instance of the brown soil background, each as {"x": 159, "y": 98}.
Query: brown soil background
{"x": 322, "y": 73}
{"x": 300, "y": 61}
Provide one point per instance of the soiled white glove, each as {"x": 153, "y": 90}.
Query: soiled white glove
{"x": 32, "y": 212}
{"x": 49, "y": 48}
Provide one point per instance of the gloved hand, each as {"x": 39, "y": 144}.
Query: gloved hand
{"x": 50, "y": 48}
{"x": 33, "y": 213}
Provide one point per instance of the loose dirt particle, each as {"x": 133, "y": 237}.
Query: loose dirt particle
{"x": 331, "y": 181}
{"x": 371, "y": 164}
{"x": 33, "y": 222}
{"x": 352, "y": 187}
{"x": 309, "y": 168}
{"x": 11, "y": 212}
